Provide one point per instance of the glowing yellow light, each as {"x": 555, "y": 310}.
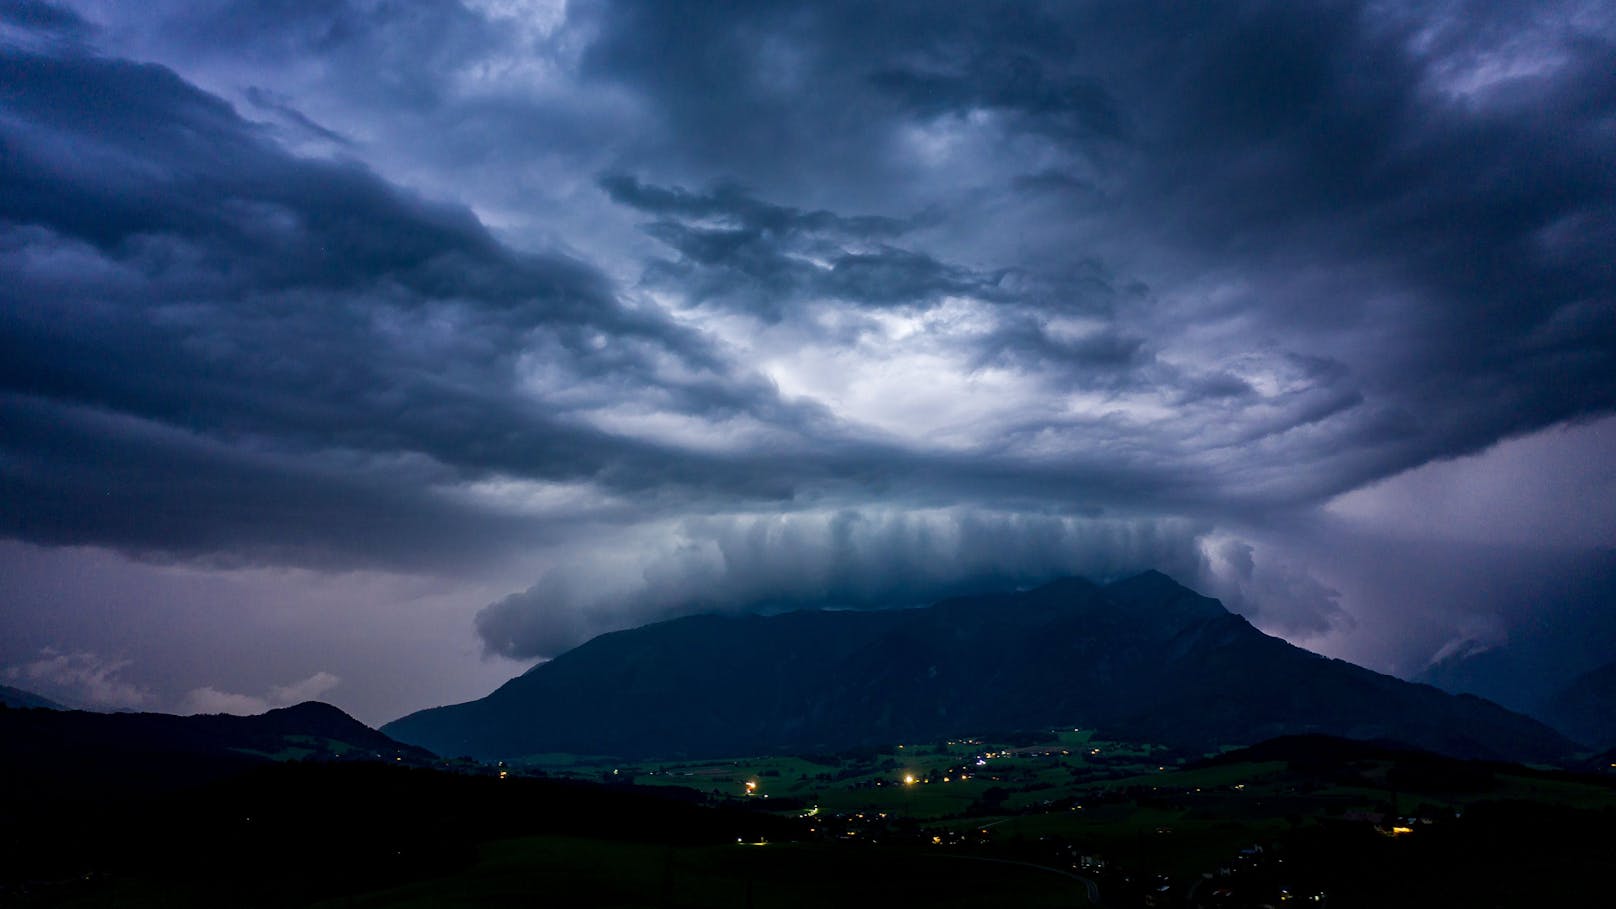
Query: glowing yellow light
{"x": 503, "y": 774}
{"x": 908, "y": 779}
{"x": 751, "y": 786}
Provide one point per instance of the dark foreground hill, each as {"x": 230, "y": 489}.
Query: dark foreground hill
{"x": 48, "y": 753}
{"x": 1143, "y": 659}
{"x": 293, "y": 834}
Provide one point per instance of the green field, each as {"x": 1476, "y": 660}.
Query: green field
{"x": 1071, "y": 795}
{"x": 923, "y": 781}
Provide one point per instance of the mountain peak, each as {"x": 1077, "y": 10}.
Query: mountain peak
{"x": 1161, "y": 595}
{"x": 1148, "y": 580}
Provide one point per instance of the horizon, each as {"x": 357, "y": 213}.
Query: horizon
{"x": 375, "y": 354}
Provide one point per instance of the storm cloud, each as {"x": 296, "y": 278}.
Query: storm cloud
{"x": 675, "y": 307}
{"x": 844, "y": 559}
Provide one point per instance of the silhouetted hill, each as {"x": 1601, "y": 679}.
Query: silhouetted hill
{"x": 284, "y": 834}
{"x": 1585, "y": 709}
{"x": 20, "y": 699}
{"x": 1144, "y": 659}
{"x": 46, "y": 753}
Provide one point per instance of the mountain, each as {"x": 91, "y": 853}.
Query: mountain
{"x": 1143, "y": 659}
{"x": 16, "y": 698}
{"x": 1585, "y": 709}
{"x": 46, "y": 752}
{"x": 1559, "y": 631}
{"x": 1499, "y": 674}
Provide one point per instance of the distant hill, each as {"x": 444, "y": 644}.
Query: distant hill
{"x": 1143, "y": 659}
{"x": 44, "y": 753}
{"x": 1585, "y": 709}
{"x": 20, "y": 699}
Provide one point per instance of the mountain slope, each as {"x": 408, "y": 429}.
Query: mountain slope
{"x": 51, "y": 751}
{"x": 17, "y": 698}
{"x": 1586, "y": 708}
{"x": 1143, "y": 658}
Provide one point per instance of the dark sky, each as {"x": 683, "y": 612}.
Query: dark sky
{"x": 371, "y": 350}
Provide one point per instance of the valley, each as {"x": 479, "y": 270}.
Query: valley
{"x": 1054, "y": 817}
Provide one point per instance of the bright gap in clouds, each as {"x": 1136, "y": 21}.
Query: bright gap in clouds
{"x": 907, "y": 374}
{"x": 1551, "y": 489}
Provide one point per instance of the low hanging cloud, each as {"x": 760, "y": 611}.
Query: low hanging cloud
{"x": 80, "y": 678}
{"x": 1278, "y": 595}
{"x": 842, "y": 559}
{"x": 211, "y": 700}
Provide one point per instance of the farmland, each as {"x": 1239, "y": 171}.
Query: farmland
{"x": 1153, "y": 827}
